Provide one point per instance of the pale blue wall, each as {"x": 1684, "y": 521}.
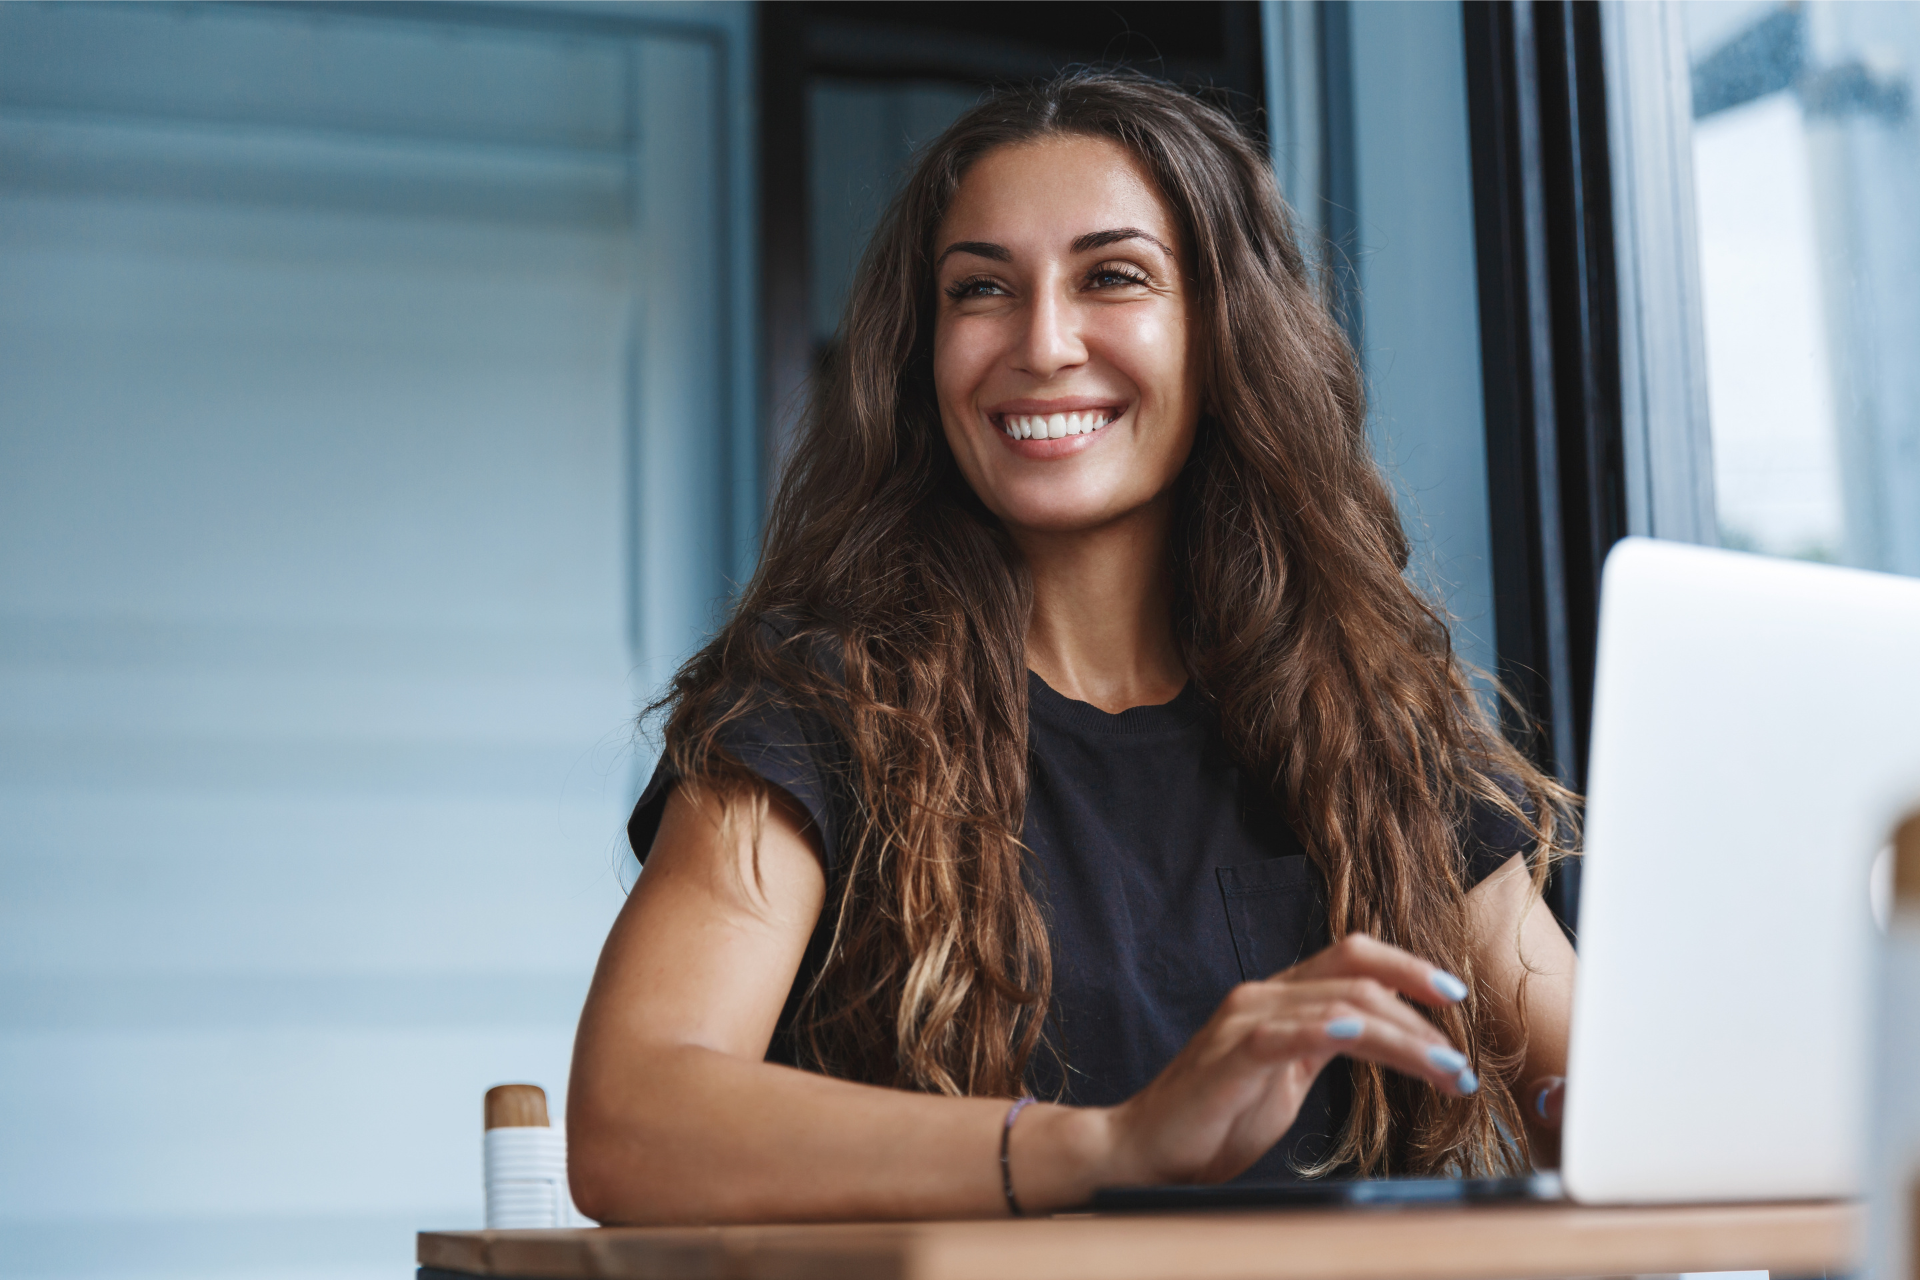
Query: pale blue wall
{"x": 1420, "y": 295}
{"x": 1415, "y": 256}
{"x": 376, "y": 430}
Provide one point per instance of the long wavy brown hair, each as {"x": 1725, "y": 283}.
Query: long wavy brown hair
{"x": 892, "y": 608}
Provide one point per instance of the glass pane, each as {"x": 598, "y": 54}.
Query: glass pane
{"x": 861, "y": 136}
{"x": 1807, "y": 175}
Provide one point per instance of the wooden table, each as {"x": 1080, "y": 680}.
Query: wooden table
{"x": 1478, "y": 1243}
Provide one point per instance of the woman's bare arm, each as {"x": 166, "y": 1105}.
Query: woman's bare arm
{"x": 1525, "y": 964}
{"x": 672, "y": 1115}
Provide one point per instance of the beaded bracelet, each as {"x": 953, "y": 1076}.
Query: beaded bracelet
{"x": 1006, "y": 1166}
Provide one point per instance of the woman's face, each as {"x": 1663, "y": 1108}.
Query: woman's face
{"x": 1061, "y": 352}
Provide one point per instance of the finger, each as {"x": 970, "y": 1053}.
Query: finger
{"x": 1323, "y": 1031}
{"x": 1338, "y": 1003}
{"x": 1546, "y": 1101}
{"x": 1360, "y": 955}
{"x": 1379, "y": 1040}
{"x": 1369, "y": 997}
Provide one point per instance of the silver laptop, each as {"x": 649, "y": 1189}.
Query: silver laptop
{"x": 1756, "y": 737}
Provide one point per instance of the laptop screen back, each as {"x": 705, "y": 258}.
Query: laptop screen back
{"x": 1756, "y": 736}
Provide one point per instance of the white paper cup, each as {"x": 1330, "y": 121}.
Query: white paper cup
{"x": 524, "y": 1205}
{"x": 526, "y": 1168}
{"x": 526, "y": 1179}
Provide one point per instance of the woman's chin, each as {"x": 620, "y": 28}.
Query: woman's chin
{"x": 1057, "y": 514}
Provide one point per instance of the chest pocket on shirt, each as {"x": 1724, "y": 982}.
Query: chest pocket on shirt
{"x": 1275, "y": 912}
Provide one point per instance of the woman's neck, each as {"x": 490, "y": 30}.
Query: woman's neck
{"x": 1102, "y": 624}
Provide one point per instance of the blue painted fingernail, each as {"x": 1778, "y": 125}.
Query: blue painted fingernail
{"x": 1467, "y": 1082}
{"x": 1447, "y": 1058}
{"x": 1449, "y": 986}
{"x": 1540, "y": 1101}
{"x": 1348, "y": 1029}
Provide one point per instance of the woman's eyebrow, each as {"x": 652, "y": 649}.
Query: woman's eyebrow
{"x": 978, "y": 248}
{"x": 1101, "y": 239}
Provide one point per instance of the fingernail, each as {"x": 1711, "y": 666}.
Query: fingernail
{"x": 1467, "y": 1082}
{"x": 1447, "y": 1058}
{"x": 1540, "y": 1099}
{"x": 1449, "y": 986}
{"x": 1348, "y": 1029}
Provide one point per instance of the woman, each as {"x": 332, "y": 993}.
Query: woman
{"x": 1078, "y": 737}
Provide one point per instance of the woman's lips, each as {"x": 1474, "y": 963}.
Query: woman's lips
{"x": 1055, "y": 426}
{"x": 1053, "y": 435}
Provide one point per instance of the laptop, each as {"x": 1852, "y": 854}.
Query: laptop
{"x": 1756, "y": 738}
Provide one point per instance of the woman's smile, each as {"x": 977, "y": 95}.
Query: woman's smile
{"x": 1045, "y": 429}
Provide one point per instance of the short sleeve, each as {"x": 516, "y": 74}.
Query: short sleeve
{"x": 799, "y": 754}
{"x": 1491, "y": 837}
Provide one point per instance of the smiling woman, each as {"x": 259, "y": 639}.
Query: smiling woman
{"x": 1079, "y": 738}
{"x": 1055, "y": 343}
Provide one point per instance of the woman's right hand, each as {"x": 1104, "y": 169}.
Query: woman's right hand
{"x": 1235, "y": 1089}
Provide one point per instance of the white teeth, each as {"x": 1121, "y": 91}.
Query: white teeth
{"x": 1055, "y": 426}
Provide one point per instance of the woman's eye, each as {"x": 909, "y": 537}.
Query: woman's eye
{"x": 1111, "y": 277}
{"x": 975, "y": 287}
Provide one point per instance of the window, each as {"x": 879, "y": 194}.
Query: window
{"x": 1806, "y": 164}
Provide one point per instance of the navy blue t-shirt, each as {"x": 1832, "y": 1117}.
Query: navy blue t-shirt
{"x": 1165, "y": 875}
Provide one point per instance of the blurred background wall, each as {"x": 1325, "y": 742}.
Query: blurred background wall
{"x": 389, "y": 396}
{"x": 377, "y": 428}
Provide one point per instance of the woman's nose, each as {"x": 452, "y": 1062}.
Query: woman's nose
{"x": 1052, "y": 341}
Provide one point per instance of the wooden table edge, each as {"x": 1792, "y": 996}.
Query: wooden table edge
{"x": 1481, "y": 1242}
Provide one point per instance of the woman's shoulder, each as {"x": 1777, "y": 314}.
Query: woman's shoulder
{"x": 794, "y": 656}
{"x": 766, "y": 714}
{"x": 1492, "y": 832}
